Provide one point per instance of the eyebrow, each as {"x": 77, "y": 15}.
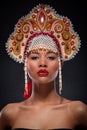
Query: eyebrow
{"x": 34, "y": 52}
{"x": 50, "y": 52}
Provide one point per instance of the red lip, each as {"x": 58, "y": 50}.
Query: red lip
{"x": 43, "y": 72}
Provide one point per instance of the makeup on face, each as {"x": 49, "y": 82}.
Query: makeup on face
{"x": 43, "y": 73}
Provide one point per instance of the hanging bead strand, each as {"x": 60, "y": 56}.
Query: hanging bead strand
{"x": 60, "y": 76}
{"x": 25, "y": 70}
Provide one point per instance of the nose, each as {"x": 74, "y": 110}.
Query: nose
{"x": 43, "y": 62}
{"x": 42, "y": 65}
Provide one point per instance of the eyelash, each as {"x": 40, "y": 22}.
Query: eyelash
{"x": 49, "y": 57}
{"x": 34, "y": 57}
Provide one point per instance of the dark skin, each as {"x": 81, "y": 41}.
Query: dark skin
{"x": 45, "y": 109}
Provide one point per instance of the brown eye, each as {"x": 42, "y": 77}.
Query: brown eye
{"x": 51, "y": 57}
{"x": 34, "y": 57}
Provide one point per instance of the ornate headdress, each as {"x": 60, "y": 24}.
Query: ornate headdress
{"x": 44, "y": 29}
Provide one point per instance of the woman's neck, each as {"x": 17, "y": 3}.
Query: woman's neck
{"x": 45, "y": 93}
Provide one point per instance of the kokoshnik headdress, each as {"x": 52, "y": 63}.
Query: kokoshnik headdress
{"x": 44, "y": 29}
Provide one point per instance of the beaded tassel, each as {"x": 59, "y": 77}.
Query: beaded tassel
{"x": 28, "y": 84}
{"x": 60, "y": 76}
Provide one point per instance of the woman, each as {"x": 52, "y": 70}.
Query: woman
{"x": 42, "y": 41}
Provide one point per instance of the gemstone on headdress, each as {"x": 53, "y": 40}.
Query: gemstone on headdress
{"x": 41, "y": 19}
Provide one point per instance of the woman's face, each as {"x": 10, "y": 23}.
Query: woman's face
{"x": 42, "y": 66}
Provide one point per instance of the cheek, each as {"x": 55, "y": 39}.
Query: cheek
{"x": 54, "y": 69}
{"x": 31, "y": 68}
{"x": 54, "y": 65}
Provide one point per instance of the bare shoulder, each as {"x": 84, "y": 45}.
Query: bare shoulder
{"x": 78, "y": 110}
{"x": 78, "y": 107}
{"x": 7, "y": 115}
{"x": 9, "y": 111}
{"x": 9, "y": 108}
{"x": 12, "y": 109}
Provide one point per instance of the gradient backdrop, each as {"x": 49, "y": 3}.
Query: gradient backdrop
{"x": 74, "y": 71}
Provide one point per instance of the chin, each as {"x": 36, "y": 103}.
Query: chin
{"x": 45, "y": 81}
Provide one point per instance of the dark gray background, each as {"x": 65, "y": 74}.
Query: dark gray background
{"x": 74, "y": 71}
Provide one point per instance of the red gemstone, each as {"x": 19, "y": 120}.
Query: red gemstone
{"x": 50, "y": 16}
{"x": 33, "y": 16}
{"x": 35, "y": 11}
{"x": 66, "y": 57}
{"x": 73, "y": 36}
{"x": 20, "y": 57}
{"x": 18, "y": 31}
{"x": 22, "y": 44}
{"x": 11, "y": 49}
{"x": 72, "y": 42}
{"x": 12, "y": 37}
{"x": 58, "y": 36}
{"x": 41, "y": 19}
{"x": 26, "y": 36}
{"x": 68, "y": 24}
{"x": 74, "y": 48}
{"x": 63, "y": 43}
{"x": 67, "y": 29}
{"x": 64, "y": 19}
{"x": 14, "y": 43}
{"x": 47, "y": 11}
